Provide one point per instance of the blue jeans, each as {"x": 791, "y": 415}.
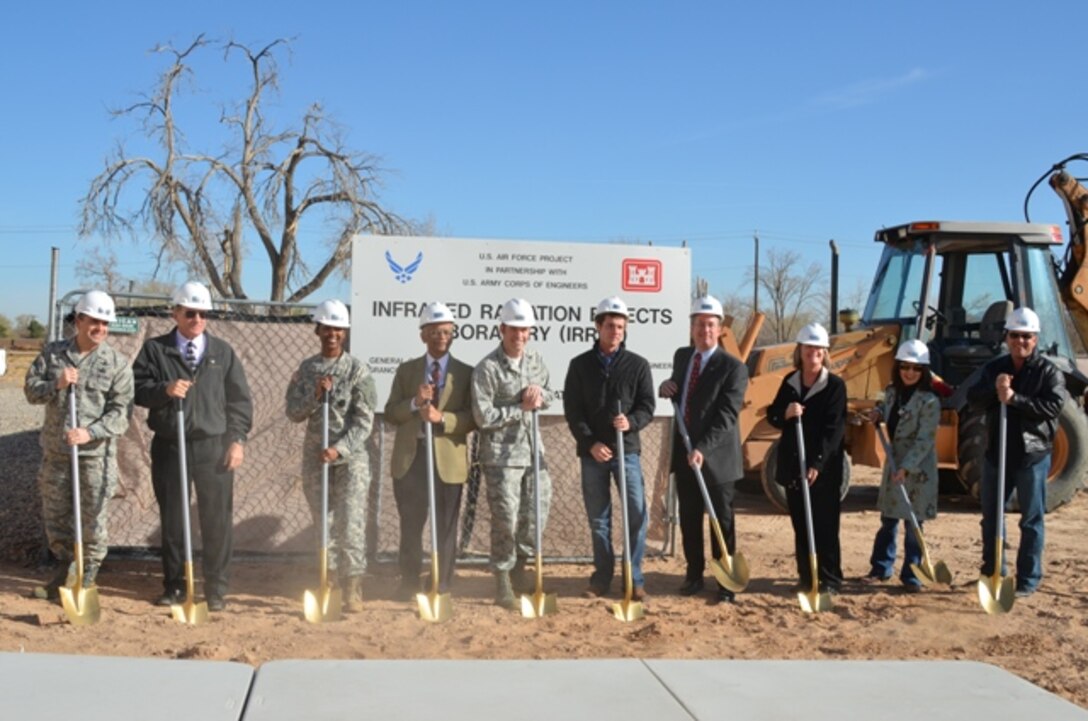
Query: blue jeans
{"x": 1030, "y": 486}
{"x": 882, "y": 561}
{"x": 597, "y": 494}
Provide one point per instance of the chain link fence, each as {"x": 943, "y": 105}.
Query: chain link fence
{"x": 270, "y": 512}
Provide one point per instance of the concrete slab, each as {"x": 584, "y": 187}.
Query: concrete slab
{"x": 106, "y": 688}
{"x": 460, "y": 691}
{"x": 836, "y": 690}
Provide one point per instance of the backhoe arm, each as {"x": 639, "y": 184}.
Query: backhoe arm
{"x": 1074, "y": 276}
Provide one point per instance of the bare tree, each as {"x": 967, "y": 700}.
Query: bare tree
{"x": 98, "y": 269}
{"x": 794, "y": 294}
{"x": 202, "y": 206}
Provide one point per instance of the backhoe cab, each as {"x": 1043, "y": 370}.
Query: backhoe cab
{"x": 951, "y": 284}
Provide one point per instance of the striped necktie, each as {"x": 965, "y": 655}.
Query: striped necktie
{"x": 190, "y": 355}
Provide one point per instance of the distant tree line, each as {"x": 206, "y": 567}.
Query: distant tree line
{"x": 25, "y": 326}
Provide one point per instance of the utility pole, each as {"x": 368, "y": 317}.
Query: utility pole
{"x": 755, "y": 277}
{"x": 54, "y": 322}
{"x": 834, "y": 287}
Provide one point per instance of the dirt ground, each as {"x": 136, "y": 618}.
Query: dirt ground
{"x": 1044, "y": 639}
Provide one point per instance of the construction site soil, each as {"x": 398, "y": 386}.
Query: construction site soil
{"x": 1044, "y": 639}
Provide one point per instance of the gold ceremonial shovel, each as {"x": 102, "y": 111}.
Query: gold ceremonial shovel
{"x": 434, "y": 606}
{"x": 997, "y": 593}
{"x": 80, "y": 604}
{"x": 189, "y": 611}
{"x": 928, "y": 572}
{"x": 324, "y": 604}
{"x": 538, "y": 603}
{"x": 814, "y": 600}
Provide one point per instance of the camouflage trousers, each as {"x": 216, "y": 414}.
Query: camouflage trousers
{"x": 349, "y": 484}
{"x": 97, "y": 484}
{"x": 513, "y": 512}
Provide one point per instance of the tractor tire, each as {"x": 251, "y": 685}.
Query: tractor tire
{"x": 972, "y": 450}
{"x": 776, "y": 493}
{"x": 1069, "y": 459}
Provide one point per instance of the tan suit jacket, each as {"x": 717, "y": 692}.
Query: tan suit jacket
{"x": 450, "y": 436}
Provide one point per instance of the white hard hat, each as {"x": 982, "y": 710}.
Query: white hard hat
{"x": 332, "y": 313}
{"x": 612, "y": 305}
{"x": 913, "y": 351}
{"x": 517, "y": 313}
{"x": 813, "y": 334}
{"x": 96, "y": 304}
{"x": 435, "y": 313}
{"x": 707, "y": 305}
{"x": 193, "y": 295}
{"x": 1024, "y": 320}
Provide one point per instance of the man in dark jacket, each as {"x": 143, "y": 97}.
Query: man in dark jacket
{"x": 1033, "y": 392}
{"x": 709, "y": 385}
{"x": 190, "y": 367}
{"x": 610, "y": 389}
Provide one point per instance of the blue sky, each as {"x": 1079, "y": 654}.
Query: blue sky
{"x": 583, "y": 121}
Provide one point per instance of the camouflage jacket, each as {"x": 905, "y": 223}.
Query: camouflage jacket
{"x": 103, "y": 395}
{"x": 351, "y": 403}
{"x": 497, "y": 385}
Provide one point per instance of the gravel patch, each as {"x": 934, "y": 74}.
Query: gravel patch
{"x": 22, "y": 537}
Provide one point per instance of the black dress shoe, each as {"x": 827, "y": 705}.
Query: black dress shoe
{"x": 724, "y": 595}
{"x": 170, "y": 598}
{"x": 691, "y": 586}
{"x": 216, "y": 603}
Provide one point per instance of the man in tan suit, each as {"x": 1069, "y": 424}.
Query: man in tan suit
{"x": 434, "y": 388}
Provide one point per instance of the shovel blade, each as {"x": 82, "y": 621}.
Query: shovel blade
{"x": 931, "y": 574}
{"x": 190, "y": 613}
{"x": 322, "y": 606}
{"x": 996, "y": 594}
{"x": 628, "y": 610}
{"x": 538, "y": 605}
{"x": 434, "y": 607}
{"x": 80, "y": 605}
{"x": 733, "y": 576}
{"x": 814, "y": 601}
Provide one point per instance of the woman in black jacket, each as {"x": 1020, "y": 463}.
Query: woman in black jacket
{"x": 817, "y": 399}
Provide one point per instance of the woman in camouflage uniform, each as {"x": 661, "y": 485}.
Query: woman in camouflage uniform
{"x": 352, "y": 398}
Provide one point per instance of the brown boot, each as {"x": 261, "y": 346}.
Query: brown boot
{"x": 504, "y": 592}
{"x": 353, "y": 594}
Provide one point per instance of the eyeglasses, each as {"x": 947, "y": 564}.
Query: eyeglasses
{"x": 910, "y": 367}
{"x": 190, "y": 314}
{"x": 1021, "y": 336}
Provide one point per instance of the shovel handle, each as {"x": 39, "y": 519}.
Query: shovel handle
{"x": 77, "y": 516}
{"x": 804, "y": 490}
{"x": 621, "y": 472}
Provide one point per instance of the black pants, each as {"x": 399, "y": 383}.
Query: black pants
{"x": 825, "y": 527}
{"x": 692, "y": 508}
{"x": 215, "y": 502}
{"x": 410, "y": 492}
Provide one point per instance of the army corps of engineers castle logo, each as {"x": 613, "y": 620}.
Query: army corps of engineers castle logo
{"x": 403, "y": 273}
{"x": 641, "y": 275}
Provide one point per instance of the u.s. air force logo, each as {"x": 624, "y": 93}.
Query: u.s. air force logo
{"x": 403, "y": 273}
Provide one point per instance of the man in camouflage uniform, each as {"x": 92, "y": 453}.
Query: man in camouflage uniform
{"x": 507, "y": 385}
{"x": 101, "y": 379}
{"x": 352, "y": 399}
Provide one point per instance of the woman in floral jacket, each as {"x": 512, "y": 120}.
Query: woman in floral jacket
{"x": 911, "y": 410}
